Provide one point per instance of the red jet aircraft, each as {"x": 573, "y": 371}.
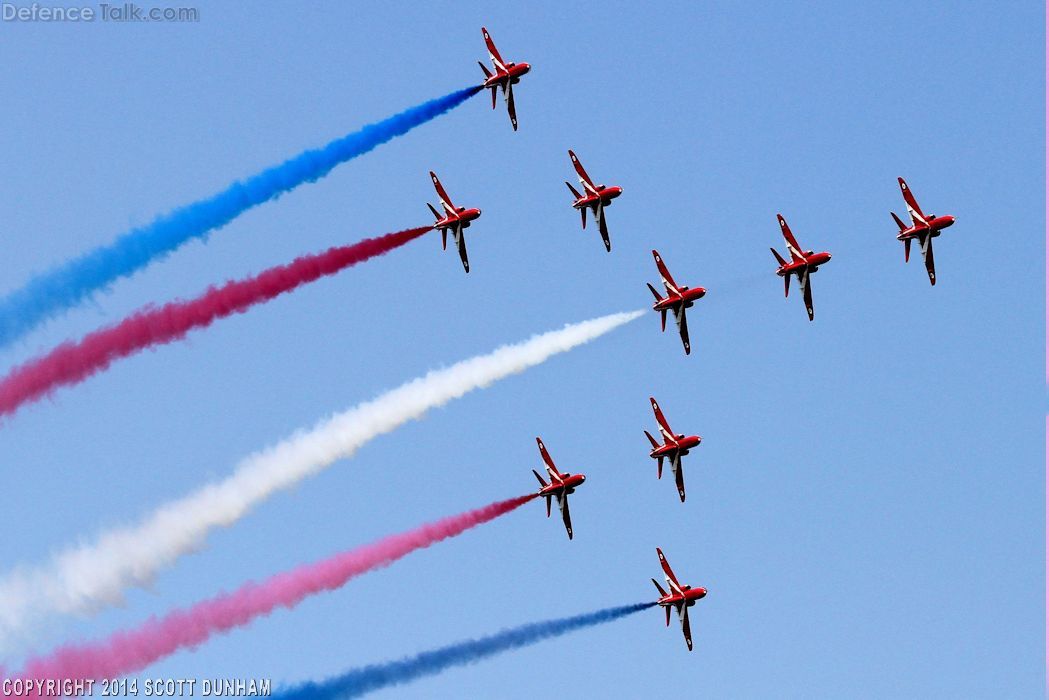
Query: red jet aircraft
{"x": 560, "y": 486}
{"x": 506, "y": 76}
{"x": 679, "y": 597}
{"x": 674, "y": 447}
{"x": 801, "y": 264}
{"x": 677, "y": 300}
{"x": 455, "y": 219}
{"x": 597, "y": 197}
{"x": 923, "y": 227}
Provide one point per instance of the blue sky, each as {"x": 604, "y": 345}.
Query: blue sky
{"x": 867, "y": 505}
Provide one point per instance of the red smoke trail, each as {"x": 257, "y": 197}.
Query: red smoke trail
{"x": 73, "y": 362}
{"x": 129, "y": 651}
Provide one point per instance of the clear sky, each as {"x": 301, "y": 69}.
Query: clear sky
{"x": 866, "y": 508}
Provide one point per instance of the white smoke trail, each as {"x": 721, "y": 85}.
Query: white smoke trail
{"x": 90, "y": 576}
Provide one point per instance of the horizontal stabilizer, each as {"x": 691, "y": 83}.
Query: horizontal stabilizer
{"x": 899, "y": 223}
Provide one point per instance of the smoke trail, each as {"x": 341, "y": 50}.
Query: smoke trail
{"x": 74, "y": 362}
{"x": 368, "y": 678}
{"x": 63, "y": 287}
{"x": 94, "y": 574}
{"x": 126, "y": 652}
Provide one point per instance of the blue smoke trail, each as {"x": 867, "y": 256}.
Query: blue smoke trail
{"x": 61, "y": 288}
{"x": 368, "y": 678}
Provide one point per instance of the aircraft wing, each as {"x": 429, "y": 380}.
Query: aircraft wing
{"x": 912, "y": 204}
{"x": 493, "y": 52}
{"x": 792, "y": 243}
{"x": 562, "y": 502}
{"x": 550, "y": 467}
{"x": 664, "y": 426}
{"x": 667, "y": 570}
{"x": 460, "y": 244}
{"x": 602, "y": 226}
{"x": 806, "y": 291}
{"x": 668, "y": 281}
{"x": 679, "y": 475}
{"x": 682, "y": 326}
{"x": 446, "y": 201}
{"x": 930, "y": 262}
{"x": 584, "y": 179}
{"x": 686, "y": 628}
{"x": 510, "y": 108}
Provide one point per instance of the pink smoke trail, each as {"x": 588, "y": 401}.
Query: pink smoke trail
{"x": 74, "y": 361}
{"x": 128, "y": 651}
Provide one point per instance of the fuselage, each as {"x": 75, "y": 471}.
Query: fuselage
{"x": 688, "y": 596}
{"x": 685, "y": 299}
{"x": 812, "y": 261}
{"x": 567, "y": 486}
{"x": 465, "y": 216}
{"x": 935, "y": 225}
{"x": 604, "y": 194}
{"x": 681, "y": 446}
{"x": 512, "y": 75}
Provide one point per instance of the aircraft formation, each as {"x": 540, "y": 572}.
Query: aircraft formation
{"x": 677, "y": 299}
{"x": 74, "y": 361}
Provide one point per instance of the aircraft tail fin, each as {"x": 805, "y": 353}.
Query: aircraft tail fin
{"x": 899, "y": 223}
{"x": 654, "y": 292}
{"x": 651, "y": 439}
{"x": 542, "y": 481}
{"x": 575, "y": 193}
{"x": 659, "y": 588}
{"x": 779, "y": 258}
{"x": 487, "y": 73}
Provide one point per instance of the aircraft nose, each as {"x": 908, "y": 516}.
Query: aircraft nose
{"x": 525, "y": 67}
{"x": 950, "y": 221}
